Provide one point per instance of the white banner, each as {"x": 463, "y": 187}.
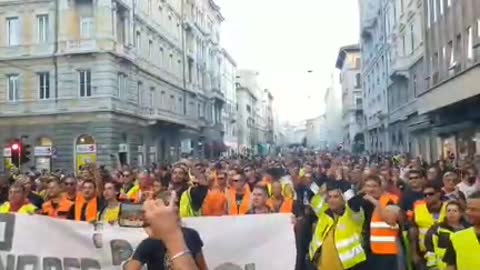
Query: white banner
{"x": 256, "y": 242}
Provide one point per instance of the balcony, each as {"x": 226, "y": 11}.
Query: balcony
{"x": 81, "y": 46}
{"x": 401, "y": 65}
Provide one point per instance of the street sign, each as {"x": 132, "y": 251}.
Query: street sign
{"x": 42, "y": 151}
{"x": 86, "y": 148}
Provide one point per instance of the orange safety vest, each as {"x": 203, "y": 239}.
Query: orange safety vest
{"x": 91, "y": 209}
{"x": 62, "y": 210}
{"x": 383, "y": 237}
{"x": 285, "y": 207}
{"x": 214, "y": 204}
{"x": 233, "y": 209}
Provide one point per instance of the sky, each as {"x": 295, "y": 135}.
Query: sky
{"x": 283, "y": 40}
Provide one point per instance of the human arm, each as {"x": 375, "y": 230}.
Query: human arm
{"x": 200, "y": 261}
{"x": 164, "y": 226}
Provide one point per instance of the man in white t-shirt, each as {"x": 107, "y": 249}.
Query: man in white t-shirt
{"x": 469, "y": 183}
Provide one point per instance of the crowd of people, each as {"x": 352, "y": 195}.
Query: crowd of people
{"x": 349, "y": 212}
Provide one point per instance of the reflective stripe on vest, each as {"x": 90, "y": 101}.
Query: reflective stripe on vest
{"x": 26, "y": 209}
{"x": 466, "y": 240}
{"x": 383, "y": 237}
{"x": 424, "y": 220}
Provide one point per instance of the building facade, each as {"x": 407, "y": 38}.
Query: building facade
{"x": 229, "y": 73}
{"x": 316, "y": 133}
{"x": 247, "y": 100}
{"x": 333, "y": 116}
{"x": 448, "y": 105}
{"x": 108, "y": 81}
{"x": 403, "y": 31}
{"x": 349, "y": 64}
{"x": 374, "y": 50}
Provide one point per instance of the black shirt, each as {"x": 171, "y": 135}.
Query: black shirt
{"x": 450, "y": 257}
{"x": 409, "y": 198}
{"x": 153, "y": 253}
{"x": 35, "y": 200}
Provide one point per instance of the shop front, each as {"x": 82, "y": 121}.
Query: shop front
{"x": 43, "y": 152}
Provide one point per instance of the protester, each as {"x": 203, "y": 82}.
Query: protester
{"x": 109, "y": 211}
{"x": 462, "y": 250}
{"x": 18, "y": 201}
{"x": 239, "y": 195}
{"x": 438, "y": 236}
{"x": 58, "y": 206}
{"x": 154, "y": 253}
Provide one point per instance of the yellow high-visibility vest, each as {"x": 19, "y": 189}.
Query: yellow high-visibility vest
{"x": 27, "y": 209}
{"x": 465, "y": 243}
{"x": 424, "y": 220}
{"x": 348, "y": 231}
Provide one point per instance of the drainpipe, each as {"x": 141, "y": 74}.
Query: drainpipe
{"x": 55, "y": 47}
{"x": 184, "y": 54}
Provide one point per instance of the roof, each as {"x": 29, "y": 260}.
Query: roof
{"x": 342, "y": 53}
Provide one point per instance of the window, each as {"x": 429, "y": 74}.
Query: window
{"x": 478, "y": 27}
{"x": 358, "y": 80}
{"x": 86, "y": 27}
{"x": 44, "y": 85}
{"x": 13, "y": 31}
{"x": 151, "y": 97}
{"x": 161, "y": 57}
{"x": 470, "y": 43}
{"x": 452, "y": 53}
{"x": 170, "y": 62}
{"x": 13, "y": 87}
{"x": 444, "y": 54}
{"x": 42, "y": 28}
{"x": 404, "y": 46}
{"x": 138, "y": 43}
{"x": 172, "y": 103}
{"x": 85, "y": 83}
{"x": 414, "y": 84}
{"x": 428, "y": 13}
{"x": 139, "y": 93}
{"x": 122, "y": 84}
{"x": 150, "y": 49}
{"x": 412, "y": 37}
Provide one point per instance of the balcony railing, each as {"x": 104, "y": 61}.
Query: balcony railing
{"x": 85, "y": 45}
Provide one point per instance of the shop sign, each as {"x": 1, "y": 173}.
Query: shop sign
{"x": 185, "y": 146}
{"x": 7, "y": 152}
{"x": 42, "y": 151}
{"x": 86, "y": 148}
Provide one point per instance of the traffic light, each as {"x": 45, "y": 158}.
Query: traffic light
{"x": 25, "y": 153}
{"x": 15, "y": 149}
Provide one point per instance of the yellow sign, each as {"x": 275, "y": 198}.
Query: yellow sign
{"x": 84, "y": 159}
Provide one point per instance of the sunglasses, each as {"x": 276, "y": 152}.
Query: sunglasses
{"x": 428, "y": 194}
{"x": 69, "y": 183}
{"x": 236, "y": 180}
